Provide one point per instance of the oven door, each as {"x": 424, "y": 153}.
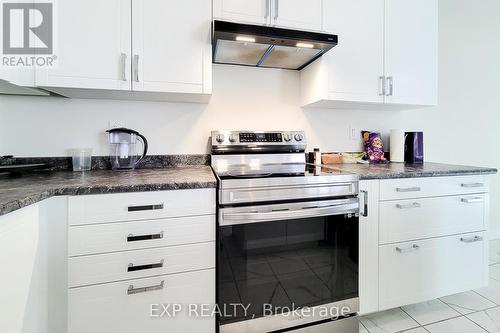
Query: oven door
{"x": 274, "y": 259}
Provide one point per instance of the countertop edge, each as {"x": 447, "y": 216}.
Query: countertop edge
{"x": 425, "y": 174}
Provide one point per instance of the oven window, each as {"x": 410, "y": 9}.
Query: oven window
{"x": 288, "y": 263}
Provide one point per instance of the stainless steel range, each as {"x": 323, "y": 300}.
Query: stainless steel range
{"x": 287, "y": 237}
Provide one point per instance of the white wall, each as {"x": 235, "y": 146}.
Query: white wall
{"x": 464, "y": 128}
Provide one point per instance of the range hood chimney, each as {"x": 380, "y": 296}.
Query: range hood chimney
{"x": 270, "y": 47}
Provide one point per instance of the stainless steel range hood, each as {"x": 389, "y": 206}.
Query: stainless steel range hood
{"x": 263, "y": 46}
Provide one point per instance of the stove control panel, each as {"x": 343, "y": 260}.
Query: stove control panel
{"x": 236, "y": 141}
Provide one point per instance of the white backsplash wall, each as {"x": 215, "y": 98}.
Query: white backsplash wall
{"x": 243, "y": 98}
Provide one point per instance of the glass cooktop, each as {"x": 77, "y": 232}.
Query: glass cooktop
{"x": 275, "y": 170}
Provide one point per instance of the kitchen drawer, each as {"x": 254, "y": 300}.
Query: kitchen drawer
{"x": 418, "y": 271}
{"x": 103, "y": 268}
{"x": 405, "y": 220}
{"x": 114, "y": 237}
{"x": 107, "y": 208}
{"x": 396, "y": 189}
{"x": 117, "y": 308}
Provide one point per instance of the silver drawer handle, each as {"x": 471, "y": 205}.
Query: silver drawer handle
{"x": 472, "y": 185}
{"x": 471, "y": 239}
{"x": 131, "y": 290}
{"x": 414, "y": 247}
{"x": 409, "y": 206}
{"x": 133, "y": 238}
{"x": 472, "y": 200}
{"x": 132, "y": 268}
{"x": 145, "y": 207}
{"x": 408, "y": 189}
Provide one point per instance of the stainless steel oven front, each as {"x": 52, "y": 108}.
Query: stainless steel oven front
{"x": 288, "y": 265}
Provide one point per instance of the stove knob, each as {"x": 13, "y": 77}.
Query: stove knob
{"x": 287, "y": 137}
{"x": 220, "y": 138}
{"x": 232, "y": 138}
{"x": 299, "y": 137}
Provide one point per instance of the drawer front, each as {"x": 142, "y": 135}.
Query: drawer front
{"x": 107, "y": 208}
{"x": 395, "y": 189}
{"x": 114, "y": 237}
{"x": 103, "y": 268}
{"x": 405, "y": 220}
{"x": 418, "y": 271}
{"x": 125, "y": 307}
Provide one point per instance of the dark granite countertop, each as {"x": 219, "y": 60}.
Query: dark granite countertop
{"x": 16, "y": 193}
{"x": 402, "y": 170}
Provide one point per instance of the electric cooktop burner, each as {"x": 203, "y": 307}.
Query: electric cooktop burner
{"x": 276, "y": 170}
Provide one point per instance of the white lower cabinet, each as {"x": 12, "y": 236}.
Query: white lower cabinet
{"x": 422, "y": 238}
{"x": 418, "y": 271}
{"x": 135, "y": 306}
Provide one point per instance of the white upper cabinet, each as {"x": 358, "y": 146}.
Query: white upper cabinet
{"x": 93, "y": 46}
{"x": 386, "y": 57}
{"x": 171, "y": 46}
{"x": 245, "y": 11}
{"x": 132, "y": 49}
{"x": 290, "y": 14}
{"x": 411, "y": 51}
{"x": 351, "y": 71}
{"x": 298, "y": 14}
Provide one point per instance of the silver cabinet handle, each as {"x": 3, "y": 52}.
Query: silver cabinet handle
{"x": 276, "y": 9}
{"x": 390, "y": 82}
{"x": 123, "y": 67}
{"x": 268, "y": 8}
{"x": 136, "y": 67}
{"x": 408, "y": 189}
{"x": 131, "y": 290}
{"x": 132, "y": 268}
{"x": 145, "y": 207}
{"x": 365, "y": 203}
{"x": 140, "y": 238}
{"x": 381, "y": 85}
{"x": 409, "y": 206}
{"x": 471, "y": 239}
{"x": 472, "y": 200}
{"x": 472, "y": 185}
{"x": 412, "y": 248}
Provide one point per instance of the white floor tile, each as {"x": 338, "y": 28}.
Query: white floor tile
{"x": 416, "y": 330}
{"x": 456, "y": 325}
{"x": 362, "y": 329}
{"x": 430, "y": 312}
{"x": 495, "y": 272}
{"x": 492, "y": 292}
{"x": 468, "y": 302}
{"x": 390, "y": 321}
{"x": 488, "y": 319}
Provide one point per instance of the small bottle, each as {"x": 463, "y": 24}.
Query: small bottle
{"x": 317, "y": 156}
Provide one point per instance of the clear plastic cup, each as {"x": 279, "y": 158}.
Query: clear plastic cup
{"x": 82, "y": 159}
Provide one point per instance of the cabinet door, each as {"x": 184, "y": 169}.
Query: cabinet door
{"x": 93, "y": 46}
{"x": 255, "y": 11}
{"x": 411, "y": 51}
{"x": 297, "y": 14}
{"x": 172, "y": 49}
{"x": 356, "y": 64}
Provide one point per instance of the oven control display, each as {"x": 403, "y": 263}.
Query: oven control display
{"x": 261, "y": 137}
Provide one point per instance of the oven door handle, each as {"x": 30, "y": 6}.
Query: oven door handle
{"x": 256, "y": 217}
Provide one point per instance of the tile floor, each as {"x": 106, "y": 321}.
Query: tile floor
{"x": 469, "y": 312}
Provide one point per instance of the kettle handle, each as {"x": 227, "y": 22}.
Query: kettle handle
{"x": 145, "y": 144}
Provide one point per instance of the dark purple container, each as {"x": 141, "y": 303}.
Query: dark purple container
{"x": 414, "y": 147}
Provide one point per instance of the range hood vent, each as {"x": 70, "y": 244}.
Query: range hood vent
{"x": 263, "y": 46}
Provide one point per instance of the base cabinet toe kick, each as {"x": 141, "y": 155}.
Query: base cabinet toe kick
{"x": 147, "y": 269}
{"x": 425, "y": 238}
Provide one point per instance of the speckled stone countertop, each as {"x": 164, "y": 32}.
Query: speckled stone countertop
{"x": 16, "y": 193}
{"x": 401, "y": 170}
